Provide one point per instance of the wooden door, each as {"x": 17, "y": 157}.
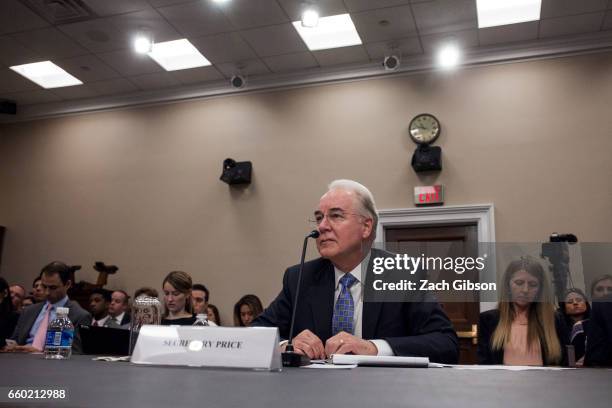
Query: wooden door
{"x": 463, "y": 239}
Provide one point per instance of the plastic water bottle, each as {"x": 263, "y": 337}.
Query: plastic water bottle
{"x": 60, "y": 333}
{"x": 201, "y": 320}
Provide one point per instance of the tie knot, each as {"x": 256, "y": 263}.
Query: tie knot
{"x": 347, "y": 280}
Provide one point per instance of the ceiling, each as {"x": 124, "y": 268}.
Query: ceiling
{"x": 91, "y": 39}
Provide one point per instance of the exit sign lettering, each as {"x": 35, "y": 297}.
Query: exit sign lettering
{"x": 429, "y": 195}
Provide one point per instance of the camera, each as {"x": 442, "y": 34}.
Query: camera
{"x": 391, "y": 62}
{"x": 236, "y": 172}
{"x": 238, "y": 81}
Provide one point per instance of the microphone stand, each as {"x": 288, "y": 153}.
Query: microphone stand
{"x": 289, "y": 356}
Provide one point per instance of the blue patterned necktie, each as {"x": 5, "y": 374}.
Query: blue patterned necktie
{"x": 345, "y": 308}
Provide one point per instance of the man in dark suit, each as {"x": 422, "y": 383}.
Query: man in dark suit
{"x": 34, "y": 319}
{"x": 331, "y": 317}
{"x": 599, "y": 335}
{"x": 119, "y": 316}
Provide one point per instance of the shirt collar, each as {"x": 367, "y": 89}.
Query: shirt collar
{"x": 60, "y": 303}
{"x": 356, "y": 272}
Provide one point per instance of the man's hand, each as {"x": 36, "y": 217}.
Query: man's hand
{"x": 20, "y": 349}
{"x": 344, "y": 343}
{"x": 309, "y": 344}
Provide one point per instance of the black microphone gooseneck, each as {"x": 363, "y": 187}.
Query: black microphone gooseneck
{"x": 289, "y": 356}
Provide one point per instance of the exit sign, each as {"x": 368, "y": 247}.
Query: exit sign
{"x": 429, "y": 195}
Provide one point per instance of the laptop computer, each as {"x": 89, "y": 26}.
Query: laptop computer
{"x": 105, "y": 340}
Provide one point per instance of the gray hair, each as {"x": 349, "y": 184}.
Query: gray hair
{"x": 365, "y": 199}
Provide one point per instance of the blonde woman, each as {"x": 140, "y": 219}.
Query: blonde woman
{"x": 525, "y": 328}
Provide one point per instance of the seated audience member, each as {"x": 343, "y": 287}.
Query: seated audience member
{"x": 213, "y": 314}
{"x": 18, "y": 292}
{"x": 177, "y": 300}
{"x": 199, "y": 298}
{"x": 332, "y": 288}
{"x": 118, "y": 314}
{"x": 599, "y": 344}
{"x": 601, "y": 287}
{"x": 37, "y": 290}
{"x": 576, "y": 310}
{"x": 33, "y": 321}
{"x": 146, "y": 291}
{"x": 246, "y": 310}
{"x": 27, "y": 301}
{"x": 98, "y": 306}
{"x": 8, "y": 317}
{"x": 524, "y": 329}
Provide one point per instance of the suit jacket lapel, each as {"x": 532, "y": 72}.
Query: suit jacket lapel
{"x": 321, "y": 299}
{"x": 371, "y": 310}
{"x": 31, "y": 319}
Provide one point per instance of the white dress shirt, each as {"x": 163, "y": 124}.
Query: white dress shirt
{"x": 100, "y": 322}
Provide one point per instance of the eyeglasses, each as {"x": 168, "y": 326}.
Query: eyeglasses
{"x": 334, "y": 217}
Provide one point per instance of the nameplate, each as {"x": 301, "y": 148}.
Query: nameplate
{"x": 235, "y": 347}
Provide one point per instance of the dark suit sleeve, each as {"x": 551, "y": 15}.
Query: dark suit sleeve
{"x": 486, "y": 325}
{"x": 20, "y": 334}
{"x": 599, "y": 336}
{"x": 563, "y": 334}
{"x": 278, "y": 314}
{"x": 431, "y": 334}
{"x": 79, "y": 318}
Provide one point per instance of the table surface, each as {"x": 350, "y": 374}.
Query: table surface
{"x": 104, "y": 384}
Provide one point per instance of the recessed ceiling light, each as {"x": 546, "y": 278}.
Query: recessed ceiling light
{"x": 493, "y": 13}
{"x": 449, "y": 55}
{"x": 143, "y": 43}
{"x": 331, "y": 32}
{"x": 310, "y": 18}
{"x": 46, "y": 74}
{"x": 177, "y": 54}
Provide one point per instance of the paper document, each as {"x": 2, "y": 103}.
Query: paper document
{"x": 389, "y": 361}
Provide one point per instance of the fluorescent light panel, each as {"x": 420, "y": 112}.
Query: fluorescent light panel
{"x": 46, "y": 74}
{"x": 493, "y": 13}
{"x": 177, "y": 54}
{"x": 331, "y": 32}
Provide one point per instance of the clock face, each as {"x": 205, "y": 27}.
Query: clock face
{"x": 424, "y": 128}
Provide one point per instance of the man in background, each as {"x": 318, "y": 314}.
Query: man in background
{"x": 199, "y": 298}
{"x": 38, "y": 293}
{"x": 98, "y": 306}
{"x": 118, "y": 310}
{"x": 17, "y": 294}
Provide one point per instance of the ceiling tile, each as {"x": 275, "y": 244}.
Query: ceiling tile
{"x": 49, "y": 43}
{"x": 88, "y": 68}
{"x": 405, "y": 47}
{"x": 14, "y": 53}
{"x": 197, "y": 18}
{"x": 197, "y": 75}
{"x": 344, "y": 55}
{"x": 162, "y": 3}
{"x": 14, "y": 16}
{"x": 155, "y": 81}
{"x": 226, "y": 47}
{"x": 559, "y": 8}
{"x": 10, "y": 81}
{"x": 583, "y": 23}
{"x": 129, "y": 63}
{"x": 111, "y": 7}
{"x": 509, "y": 33}
{"x": 361, "y": 5}
{"x": 291, "y": 62}
{"x": 33, "y": 97}
{"x": 294, "y": 8}
{"x": 384, "y": 24}
{"x": 113, "y": 86}
{"x": 248, "y": 68}
{"x": 248, "y": 13}
{"x": 465, "y": 39}
{"x": 274, "y": 40}
{"x": 75, "y": 92}
{"x": 117, "y": 32}
{"x": 441, "y": 16}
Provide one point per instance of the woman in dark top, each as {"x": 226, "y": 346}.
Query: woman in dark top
{"x": 576, "y": 310}
{"x": 246, "y": 310}
{"x": 213, "y": 314}
{"x": 177, "y": 300}
{"x": 524, "y": 329}
{"x": 8, "y": 317}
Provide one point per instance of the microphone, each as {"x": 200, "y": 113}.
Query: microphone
{"x": 289, "y": 356}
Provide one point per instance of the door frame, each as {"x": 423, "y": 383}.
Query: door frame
{"x": 483, "y": 215}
